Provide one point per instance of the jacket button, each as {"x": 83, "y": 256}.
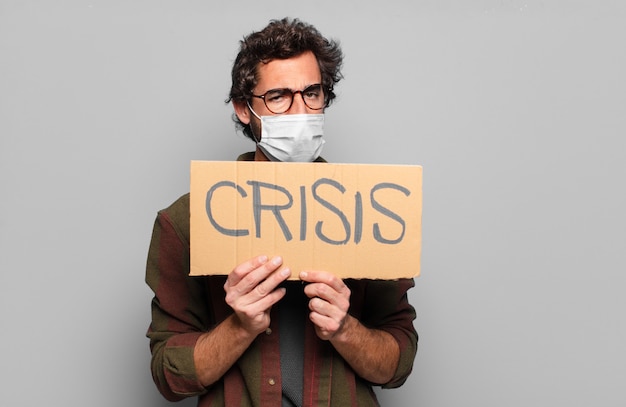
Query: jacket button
{"x": 271, "y": 382}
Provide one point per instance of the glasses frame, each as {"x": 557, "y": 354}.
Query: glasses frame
{"x": 293, "y": 94}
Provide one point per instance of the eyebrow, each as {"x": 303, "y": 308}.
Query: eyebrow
{"x": 279, "y": 89}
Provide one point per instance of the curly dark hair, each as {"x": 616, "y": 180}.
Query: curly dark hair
{"x": 282, "y": 39}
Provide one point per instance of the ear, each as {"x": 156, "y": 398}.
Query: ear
{"x": 242, "y": 111}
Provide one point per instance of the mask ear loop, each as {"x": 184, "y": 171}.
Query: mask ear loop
{"x": 252, "y": 110}
{"x": 258, "y": 117}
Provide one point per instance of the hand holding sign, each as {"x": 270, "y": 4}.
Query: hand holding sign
{"x": 251, "y": 290}
{"x": 329, "y": 304}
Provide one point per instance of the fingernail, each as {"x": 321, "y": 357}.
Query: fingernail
{"x": 285, "y": 272}
{"x": 277, "y": 261}
{"x": 303, "y": 274}
{"x": 263, "y": 259}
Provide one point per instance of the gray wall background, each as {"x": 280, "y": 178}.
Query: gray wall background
{"x": 515, "y": 109}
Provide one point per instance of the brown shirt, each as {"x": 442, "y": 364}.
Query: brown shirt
{"x": 185, "y": 307}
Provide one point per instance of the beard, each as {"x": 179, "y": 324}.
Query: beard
{"x": 255, "y": 128}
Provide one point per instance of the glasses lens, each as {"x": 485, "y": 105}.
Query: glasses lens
{"x": 313, "y": 97}
{"x": 278, "y": 100}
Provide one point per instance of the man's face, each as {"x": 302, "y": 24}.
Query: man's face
{"x": 295, "y": 73}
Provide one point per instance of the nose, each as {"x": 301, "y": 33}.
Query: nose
{"x": 297, "y": 106}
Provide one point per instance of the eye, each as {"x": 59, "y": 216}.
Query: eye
{"x": 276, "y": 95}
{"x": 313, "y": 92}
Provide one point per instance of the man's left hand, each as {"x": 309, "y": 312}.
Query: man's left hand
{"x": 329, "y": 302}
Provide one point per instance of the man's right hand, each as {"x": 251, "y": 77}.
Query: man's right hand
{"x": 251, "y": 291}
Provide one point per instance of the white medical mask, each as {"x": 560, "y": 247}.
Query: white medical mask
{"x": 291, "y": 137}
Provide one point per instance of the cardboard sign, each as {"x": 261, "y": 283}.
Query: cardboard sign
{"x": 353, "y": 220}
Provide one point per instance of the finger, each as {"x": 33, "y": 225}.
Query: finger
{"x": 271, "y": 282}
{"x": 325, "y": 326}
{"x": 255, "y": 317}
{"x": 326, "y": 309}
{"x": 252, "y": 279}
{"x": 241, "y": 270}
{"x": 327, "y": 293}
{"x": 266, "y": 302}
{"x": 324, "y": 277}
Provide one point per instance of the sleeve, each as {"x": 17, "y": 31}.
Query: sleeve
{"x": 179, "y": 309}
{"x": 386, "y": 307}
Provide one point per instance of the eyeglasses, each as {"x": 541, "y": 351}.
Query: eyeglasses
{"x": 278, "y": 101}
